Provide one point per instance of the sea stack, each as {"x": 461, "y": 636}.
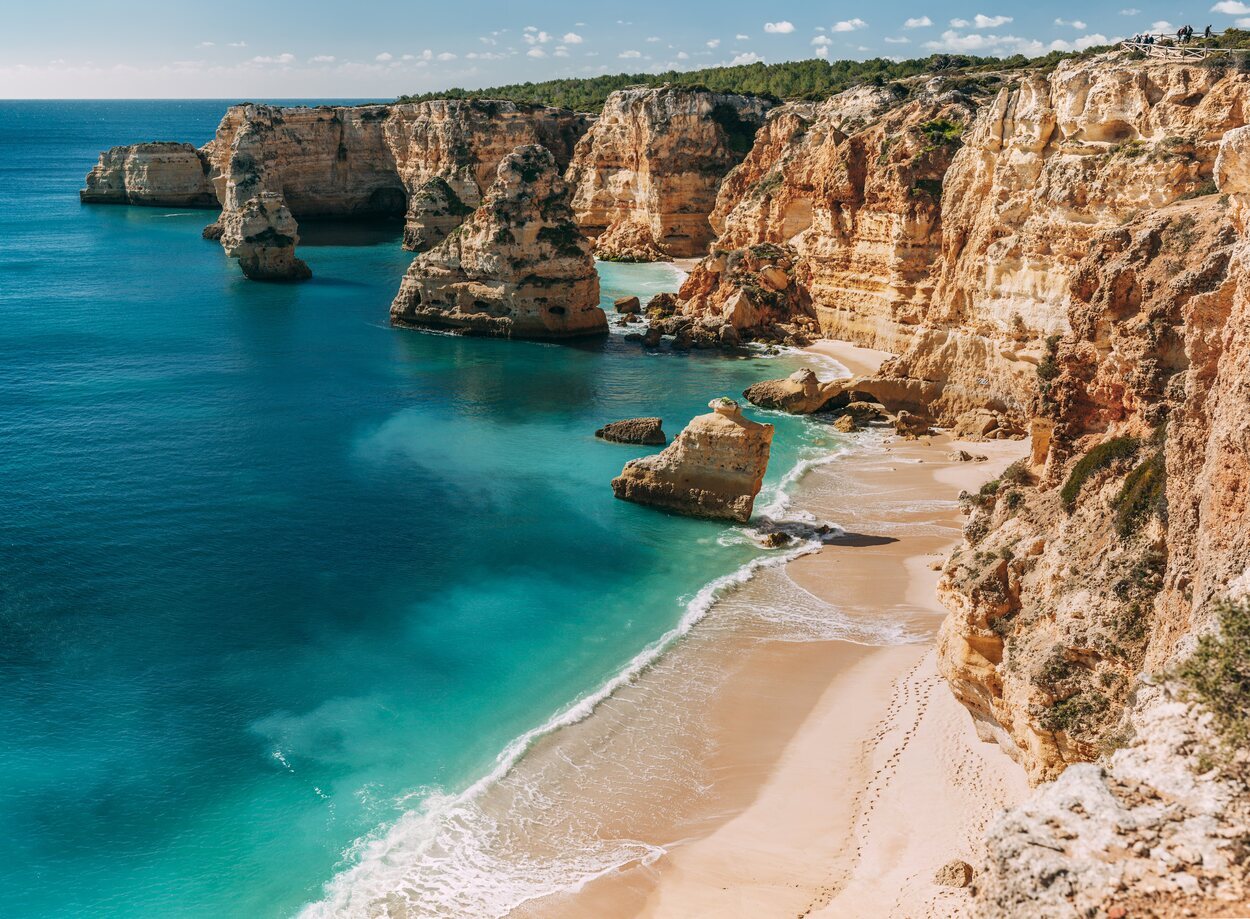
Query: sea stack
{"x": 516, "y": 268}
{"x": 714, "y": 468}
{"x": 153, "y": 174}
{"x": 263, "y": 235}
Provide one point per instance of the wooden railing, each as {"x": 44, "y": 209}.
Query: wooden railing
{"x": 1167, "y": 45}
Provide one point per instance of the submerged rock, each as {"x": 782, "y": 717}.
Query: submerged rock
{"x": 648, "y": 431}
{"x": 714, "y": 468}
{"x": 801, "y": 393}
{"x": 262, "y": 235}
{"x": 517, "y": 268}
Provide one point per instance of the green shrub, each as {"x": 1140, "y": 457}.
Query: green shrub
{"x": 1097, "y": 459}
{"x": 1144, "y": 494}
{"x": 1018, "y": 473}
{"x": 930, "y": 187}
{"x": 1206, "y": 188}
{"x": 942, "y": 132}
{"x": 1218, "y": 673}
{"x": 1074, "y": 714}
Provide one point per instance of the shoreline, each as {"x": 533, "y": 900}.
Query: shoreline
{"x": 843, "y": 774}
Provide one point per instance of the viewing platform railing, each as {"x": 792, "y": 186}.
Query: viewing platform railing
{"x": 1167, "y": 45}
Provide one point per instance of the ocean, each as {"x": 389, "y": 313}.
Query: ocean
{"x": 277, "y": 579}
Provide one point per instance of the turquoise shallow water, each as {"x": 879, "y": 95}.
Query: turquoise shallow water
{"x": 272, "y": 571}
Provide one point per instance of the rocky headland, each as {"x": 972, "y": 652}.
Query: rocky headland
{"x": 516, "y": 268}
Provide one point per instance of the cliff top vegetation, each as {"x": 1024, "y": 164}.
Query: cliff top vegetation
{"x": 810, "y": 79}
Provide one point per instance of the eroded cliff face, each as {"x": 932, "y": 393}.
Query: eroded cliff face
{"x": 154, "y": 174}
{"x": 517, "y": 268}
{"x": 428, "y": 163}
{"x": 1088, "y": 573}
{"x": 645, "y": 176}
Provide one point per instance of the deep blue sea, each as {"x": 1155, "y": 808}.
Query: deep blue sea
{"x": 271, "y": 571}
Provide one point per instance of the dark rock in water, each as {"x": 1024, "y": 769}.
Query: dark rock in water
{"x": 628, "y": 305}
{"x": 213, "y": 231}
{"x": 662, "y": 305}
{"x": 729, "y": 337}
{"x": 683, "y": 340}
{"x": 647, "y": 431}
{"x": 652, "y": 337}
{"x": 778, "y": 539}
{"x": 633, "y": 336}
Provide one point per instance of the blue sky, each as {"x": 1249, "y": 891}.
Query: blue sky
{"x": 380, "y": 48}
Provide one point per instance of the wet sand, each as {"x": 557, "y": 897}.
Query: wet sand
{"x": 837, "y": 776}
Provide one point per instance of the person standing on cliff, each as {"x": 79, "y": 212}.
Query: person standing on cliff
{"x": 1206, "y": 33}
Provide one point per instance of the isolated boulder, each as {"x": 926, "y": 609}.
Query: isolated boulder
{"x": 648, "y": 431}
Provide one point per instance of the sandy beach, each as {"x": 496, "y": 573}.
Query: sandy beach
{"x": 841, "y": 774}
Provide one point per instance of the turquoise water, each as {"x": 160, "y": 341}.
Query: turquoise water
{"x": 271, "y": 572}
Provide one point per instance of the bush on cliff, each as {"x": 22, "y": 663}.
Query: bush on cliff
{"x": 1218, "y": 673}
{"x": 1094, "y": 461}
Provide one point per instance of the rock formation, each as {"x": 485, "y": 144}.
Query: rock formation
{"x": 714, "y": 468}
{"x": 262, "y": 235}
{"x": 516, "y": 268}
{"x": 428, "y": 163}
{"x": 649, "y": 431}
{"x": 154, "y": 174}
{"x": 801, "y": 393}
{"x": 646, "y": 174}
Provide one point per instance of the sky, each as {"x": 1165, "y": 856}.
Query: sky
{"x": 278, "y": 49}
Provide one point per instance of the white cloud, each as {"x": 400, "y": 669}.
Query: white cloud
{"x": 560, "y": 51}
{"x": 384, "y": 57}
{"x": 1242, "y": 23}
{"x": 572, "y": 38}
{"x": 822, "y": 40}
{"x": 1130, "y": 11}
{"x": 446, "y": 56}
{"x": 897, "y": 41}
{"x": 822, "y": 51}
{"x": 849, "y": 25}
{"x": 486, "y": 56}
{"x": 629, "y": 55}
{"x": 323, "y": 59}
{"x": 779, "y": 28}
{"x": 683, "y": 56}
{"x": 1231, "y": 7}
{"x": 749, "y": 57}
{"x": 488, "y": 41}
{"x": 981, "y": 21}
{"x": 427, "y": 55}
{"x": 536, "y": 38}
{"x": 535, "y": 52}
{"x": 1085, "y": 41}
{"x": 1162, "y": 25}
{"x": 238, "y": 44}
{"x": 530, "y": 29}
{"x": 1074, "y": 23}
{"x": 918, "y": 22}
{"x": 714, "y": 43}
{"x": 980, "y": 41}
{"x": 207, "y": 44}
{"x": 741, "y": 37}
{"x": 285, "y": 58}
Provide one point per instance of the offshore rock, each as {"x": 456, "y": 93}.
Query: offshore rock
{"x": 517, "y": 268}
{"x": 714, "y": 468}
{"x": 152, "y": 174}
{"x": 801, "y": 393}
{"x": 649, "y": 431}
{"x": 646, "y": 174}
{"x": 262, "y": 235}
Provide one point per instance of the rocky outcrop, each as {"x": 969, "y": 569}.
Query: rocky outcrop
{"x": 648, "y": 431}
{"x": 428, "y": 163}
{"x": 262, "y": 235}
{"x": 152, "y": 174}
{"x": 517, "y": 268}
{"x": 645, "y": 176}
{"x": 801, "y": 393}
{"x": 714, "y": 468}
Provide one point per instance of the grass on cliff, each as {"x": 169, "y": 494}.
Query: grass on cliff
{"x": 1218, "y": 673}
{"x": 812, "y": 79}
{"x": 1144, "y": 494}
{"x": 1097, "y": 459}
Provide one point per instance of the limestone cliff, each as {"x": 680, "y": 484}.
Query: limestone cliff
{"x": 645, "y": 176}
{"x": 1087, "y": 573}
{"x": 714, "y": 468}
{"x": 516, "y": 268}
{"x": 428, "y": 163}
{"x": 155, "y": 174}
{"x": 262, "y": 235}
